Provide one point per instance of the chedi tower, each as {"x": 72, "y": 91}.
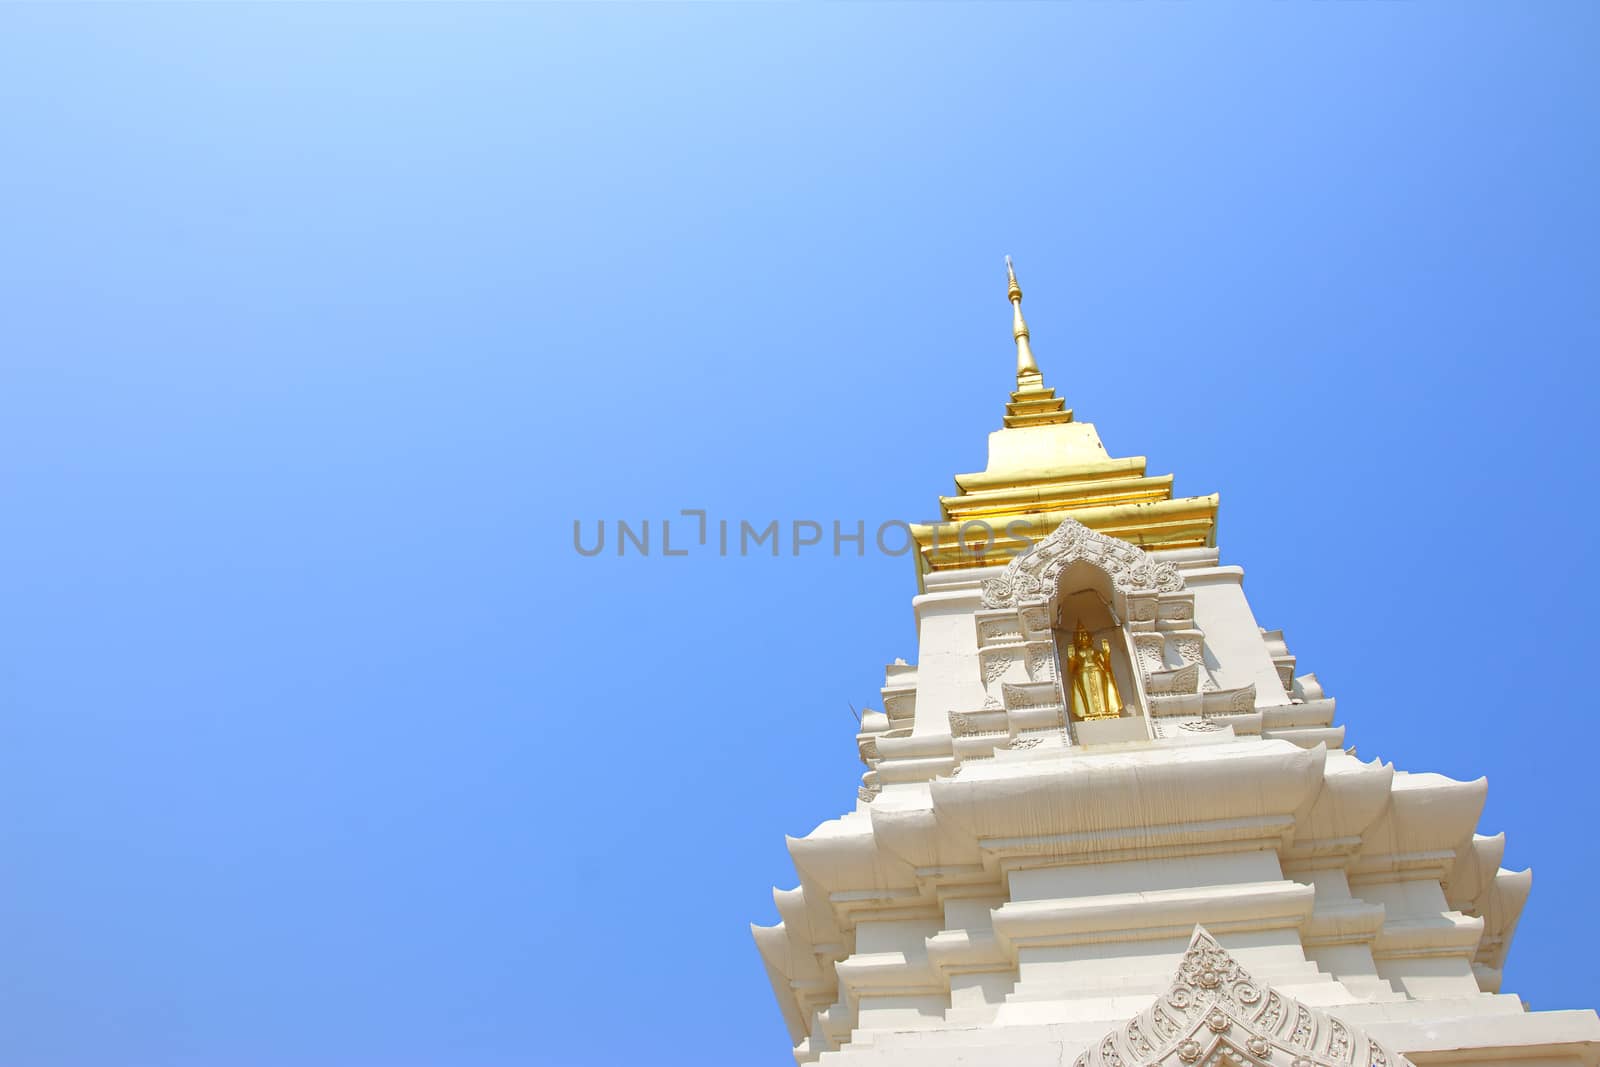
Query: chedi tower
{"x": 1105, "y": 822}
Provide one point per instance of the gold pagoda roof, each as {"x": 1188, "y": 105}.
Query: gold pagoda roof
{"x": 1045, "y": 467}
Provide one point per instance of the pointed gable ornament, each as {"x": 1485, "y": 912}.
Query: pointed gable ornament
{"x": 1032, "y": 575}
{"x": 1216, "y": 1015}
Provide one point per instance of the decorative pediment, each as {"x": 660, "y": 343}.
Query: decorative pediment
{"x": 1216, "y": 1015}
{"x": 1032, "y": 576}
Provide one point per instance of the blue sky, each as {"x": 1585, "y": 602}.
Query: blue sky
{"x": 319, "y": 744}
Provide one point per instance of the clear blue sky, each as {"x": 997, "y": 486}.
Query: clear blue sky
{"x": 320, "y": 746}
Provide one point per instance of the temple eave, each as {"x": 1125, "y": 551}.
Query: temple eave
{"x": 1041, "y": 418}
{"x": 1056, "y": 496}
{"x": 979, "y": 481}
{"x": 1184, "y": 522}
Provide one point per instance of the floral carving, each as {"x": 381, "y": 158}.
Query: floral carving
{"x": 1018, "y": 697}
{"x": 1302, "y": 1027}
{"x": 1032, "y": 575}
{"x": 968, "y": 724}
{"x": 1269, "y": 1018}
{"x": 998, "y": 630}
{"x": 1339, "y": 1043}
{"x": 1215, "y": 1011}
{"x": 1182, "y": 680}
{"x": 1177, "y": 610}
{"x": 1041, "y": 664}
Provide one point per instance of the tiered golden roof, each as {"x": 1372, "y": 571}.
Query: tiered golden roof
{"x": 1045, "y": 467}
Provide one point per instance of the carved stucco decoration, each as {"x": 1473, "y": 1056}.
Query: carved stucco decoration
{"x": 1037, "y": 695}
{"x": 1216, "y": 1015}
{"x": 968, "y": 724}
{"x": 997, "y": 664}
{"x": 1189, "y": 646}
{"x": 1183, "y": 680}
{"x": 1017, "y": 626}
{"x": 996, "y": 630}
{"x": 1032, "y": 576}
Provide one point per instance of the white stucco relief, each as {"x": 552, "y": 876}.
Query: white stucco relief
{"x": 1020, "y": 632}
{"x": 1215, "y": 1014}
{"x": 1033, "y": 575}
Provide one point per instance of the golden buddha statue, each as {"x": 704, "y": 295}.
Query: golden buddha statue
{"x": 1094, "y": 687}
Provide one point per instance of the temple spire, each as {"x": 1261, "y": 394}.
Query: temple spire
{"x": 1031, "y": 404}
{"x": 1028, "y": 376}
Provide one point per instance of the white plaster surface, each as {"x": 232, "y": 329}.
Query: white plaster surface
{"x": 1011, "y": 886}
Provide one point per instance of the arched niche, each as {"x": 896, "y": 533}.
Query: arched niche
{"x": 1024, "y": 628}
{"x": 1085, "y": 594}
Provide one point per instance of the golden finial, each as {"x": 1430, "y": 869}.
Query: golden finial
{"x": 1027, "y": 370}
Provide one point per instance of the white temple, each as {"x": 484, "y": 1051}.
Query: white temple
{"x": 1105, "y": 822}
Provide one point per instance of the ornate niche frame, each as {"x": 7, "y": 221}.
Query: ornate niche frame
{"x": 1025, "y": 702}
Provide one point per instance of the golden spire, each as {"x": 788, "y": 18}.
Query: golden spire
{"x": 1045, "y": 468}
{"x": 1028, "y": 375}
